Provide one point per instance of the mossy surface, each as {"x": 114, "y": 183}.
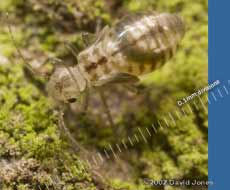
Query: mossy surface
{"x": 34, "y": 151}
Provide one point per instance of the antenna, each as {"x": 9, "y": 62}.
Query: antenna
{"x": 16, "y": 45}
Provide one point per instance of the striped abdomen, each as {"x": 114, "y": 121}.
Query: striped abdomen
{"x": 136, "y": 45}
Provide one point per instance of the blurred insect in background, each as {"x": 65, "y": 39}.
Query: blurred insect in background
{"x": 136, "y": 45}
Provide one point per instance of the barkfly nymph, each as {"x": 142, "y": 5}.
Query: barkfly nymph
{"x": 134, "y": 46}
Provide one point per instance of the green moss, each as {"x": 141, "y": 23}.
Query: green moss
{"x": 29, "y": 135}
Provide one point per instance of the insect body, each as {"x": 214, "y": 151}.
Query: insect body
{"x": 134, "y": 46}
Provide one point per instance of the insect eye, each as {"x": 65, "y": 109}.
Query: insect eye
{"x": 72, "y": 100}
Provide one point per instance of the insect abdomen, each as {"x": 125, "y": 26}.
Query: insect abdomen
{"x": 147, "y": 41}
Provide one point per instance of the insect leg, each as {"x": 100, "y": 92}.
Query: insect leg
{"x": 72, "y": 49}
{"x": 132, "y": 88}
{"x": 139, "y": 88}
{"x": 106, "y": 107}
{"x": 61, "y": 124}
{"x": 88, "y": 38}
{"x": 98, "y": 26}
{"x": 86, "y": 101}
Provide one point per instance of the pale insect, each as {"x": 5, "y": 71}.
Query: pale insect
{"x": 134, "y": 46}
